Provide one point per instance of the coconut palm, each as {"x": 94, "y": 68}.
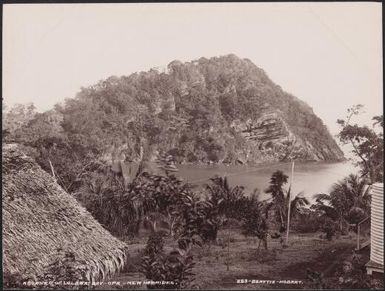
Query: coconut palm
{"x": 225, "y": 197}
{"x": 280, "y": 198}
{"x": 297, "y": 204}
{"x": 254, "y": 217}
{"x": 348, "y": 201}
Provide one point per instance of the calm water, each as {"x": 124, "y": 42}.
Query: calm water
{"x": 311, "y": 177}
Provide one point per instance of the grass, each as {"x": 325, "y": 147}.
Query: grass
{"x": 215, "y": 270}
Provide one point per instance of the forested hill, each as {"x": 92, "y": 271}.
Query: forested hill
{"x": 223, "y": 109}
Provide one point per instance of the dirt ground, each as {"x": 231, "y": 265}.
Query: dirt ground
{"x": 248, "y": 267}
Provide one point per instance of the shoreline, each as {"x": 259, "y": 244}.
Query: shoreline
{"x": 259, "y": 165}
{"x": 309, "y": 177}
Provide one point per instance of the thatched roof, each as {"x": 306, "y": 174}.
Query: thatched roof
{"x": 39, "y": 218}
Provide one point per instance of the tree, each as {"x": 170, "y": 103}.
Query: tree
{"x": 255, "y": 217}
{"x": 17, "y": 117}
{"x": 277, "y": 180}
{"x": 280, "y": 199}
{"x": 348, "y": 201}
{"x": 368, "y": 145}
{"x": 67, "y": 157}
{"x": 225, "y": 197}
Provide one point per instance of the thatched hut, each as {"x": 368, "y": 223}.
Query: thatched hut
{"x": 41, "y": 221}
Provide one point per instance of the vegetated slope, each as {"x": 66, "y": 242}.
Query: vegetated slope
{"x": 223, "y": 109}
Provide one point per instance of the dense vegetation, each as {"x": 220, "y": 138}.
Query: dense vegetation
{"x": 367, "y": 143}
{"x": 192, "y": 113}
{"x": 195, "y": 111}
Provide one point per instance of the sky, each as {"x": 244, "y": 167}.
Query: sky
{"x": 327, "y": 54}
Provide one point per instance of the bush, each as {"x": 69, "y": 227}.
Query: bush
{"x": 351, "y": 274}
{"x": 154, "y": 245}
{"x": 308, "y": 222}
{"x": 110, "y": 202}
{"x": 314, "y": 280}
{"x": 356, "y": 215}
{"x": 175, "y": 267}
{"x": 329, "y": 228}
{"x": 254, "y": 220}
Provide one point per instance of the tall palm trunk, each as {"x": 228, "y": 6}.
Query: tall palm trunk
{"x": 282, "y": 219}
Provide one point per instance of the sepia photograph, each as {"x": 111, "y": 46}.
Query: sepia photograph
{"x": 210, "y": 146}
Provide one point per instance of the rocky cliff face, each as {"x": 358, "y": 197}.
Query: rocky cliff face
{"x": 271, "y": 136}
{"x": 218, "y": 110}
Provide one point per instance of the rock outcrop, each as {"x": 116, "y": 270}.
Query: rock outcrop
{"x": 272, "y": 137}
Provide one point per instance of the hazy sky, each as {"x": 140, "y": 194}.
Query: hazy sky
{"x": 327, "y": 54}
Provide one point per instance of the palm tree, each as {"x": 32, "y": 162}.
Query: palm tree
{"x": 227, "y": 198}
{"x": 255, "y": 217}
{"x": 348, "y": 201}
{"x": 280, "y": 198}
{"x": 297, "y": 204}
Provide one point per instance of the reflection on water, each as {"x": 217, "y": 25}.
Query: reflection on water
{"x": 309, "y": 178}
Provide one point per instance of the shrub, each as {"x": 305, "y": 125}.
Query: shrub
{"x": 308, "y": 222}
{"x": 254, "y": 219}
{"x": 329, "y": 228}
{"x": 355, "y": 215}
{"x": 154, "y": 245}
{"x": 176, "y": 267}
{"x": 350, "y": 274}
{"x": 314, "y": 280}
{"x": 227, "y": 199}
